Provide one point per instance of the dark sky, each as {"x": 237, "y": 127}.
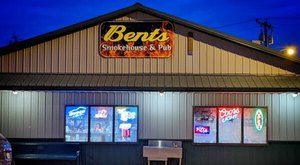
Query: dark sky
{"x": 29, "y": 18}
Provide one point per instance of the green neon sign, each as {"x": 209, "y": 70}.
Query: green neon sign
{"x": 259, "y": 120}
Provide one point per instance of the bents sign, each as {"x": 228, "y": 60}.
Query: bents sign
{"x": 136, "y": 39}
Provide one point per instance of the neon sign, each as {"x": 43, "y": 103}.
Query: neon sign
{"x": 228, "y": 114}
{"x": 202, "y": 129}
{"x": 125, "y": 115}
{"x": 80, "y": 111}
{"x": 101, "y": 113}
{"x": 259, "y": 119}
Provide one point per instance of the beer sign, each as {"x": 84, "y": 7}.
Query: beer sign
{"x": 136, "y": 39}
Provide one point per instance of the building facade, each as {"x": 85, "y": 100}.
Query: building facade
{"x": 207, "y": 68}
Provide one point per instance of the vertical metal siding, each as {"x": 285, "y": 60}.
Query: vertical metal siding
{"x": 5, "y": 111}
{"x": 217, "y": 60}
{"x": 19, "y": 115}
{"x": 41, "y": 114}
{"x": 41, "y": 58}
{"x": 48, "y": 56}
{"x": 62, "y": 55}
{"x": 78, "y": 53}
{"x": 55, "y": 55}
{"x": 11, "y": 116}
{"x": 69, "y": 54}
{"x": 33, "y": 114}
{"x": 19, "y": 63}
{"x": 297, "y": 117}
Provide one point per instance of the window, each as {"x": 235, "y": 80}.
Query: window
{"x": 230, "y": 125}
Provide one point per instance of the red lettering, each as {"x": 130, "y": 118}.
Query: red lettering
{"x": 223, "y": 112}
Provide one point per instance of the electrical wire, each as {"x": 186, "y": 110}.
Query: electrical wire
{"x": 285, "y": 18}
{"x": 252, "y": 20}
{"x": 232, "y": 24}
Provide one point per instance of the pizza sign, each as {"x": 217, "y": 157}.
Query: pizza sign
{"x": 202, "y": 129}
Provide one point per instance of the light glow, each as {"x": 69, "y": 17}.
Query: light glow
{"x": 290, "y": 51}
{"x": 295, "y": 94}
{"x": 161, "y": 93}
{"x": 259, "y": 120}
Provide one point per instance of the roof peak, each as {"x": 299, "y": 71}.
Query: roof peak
{"x": 133, "y": 8}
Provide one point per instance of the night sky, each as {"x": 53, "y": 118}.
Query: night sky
{"x": 30, "y": 18}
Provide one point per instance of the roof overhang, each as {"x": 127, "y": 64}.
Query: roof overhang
{"x": 150, "y": 82}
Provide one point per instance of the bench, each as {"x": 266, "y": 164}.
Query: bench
{"x": 51, "y": 153}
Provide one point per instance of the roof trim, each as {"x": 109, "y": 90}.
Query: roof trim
{"x": 141, "y": 8}
{"x": 150, "y": 82}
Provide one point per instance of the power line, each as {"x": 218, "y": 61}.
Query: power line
{"x": 232, "y": 24}
{"x": 285, "y": 18}
{"x": 244, "y": 29}
{"x": 247, "y": 21}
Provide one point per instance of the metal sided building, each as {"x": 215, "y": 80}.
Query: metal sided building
{"x": 200, "y": 68}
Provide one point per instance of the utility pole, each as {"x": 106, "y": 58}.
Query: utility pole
{"x": 264, "y": 35}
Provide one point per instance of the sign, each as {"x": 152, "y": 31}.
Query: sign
{"x": 202, "y": 129}
{"x": 101, "y": 129}
{"x": 136, "y": 39}
{"x": 126, "y": 124}
{"x": 259, "y": 120}
{"x": 76, "y": 123}
{"x": 205, "y": 124}
{"x": 255, "y": 125}
{"x": 230, "y": 125}
{"x": 228, "y": 114}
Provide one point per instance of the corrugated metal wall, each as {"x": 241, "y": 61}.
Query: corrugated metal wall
{"x": 78, "y": 53}
{"x": 41, "y": 114}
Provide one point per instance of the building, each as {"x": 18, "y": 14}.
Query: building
{"x": 206, "y": 68}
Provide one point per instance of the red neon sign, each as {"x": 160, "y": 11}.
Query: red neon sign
{"x": 202, "y": 129}
{"x": 228, "y": 114}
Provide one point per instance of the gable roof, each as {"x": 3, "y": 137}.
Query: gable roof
{"x": 138, "y": 7}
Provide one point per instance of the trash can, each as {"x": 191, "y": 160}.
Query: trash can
{"x": 5, "y": 151}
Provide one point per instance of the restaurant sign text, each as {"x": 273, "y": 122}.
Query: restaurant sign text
{"x": 136, "y": 39}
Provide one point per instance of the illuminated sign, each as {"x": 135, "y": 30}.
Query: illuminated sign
{"x": 205, "y": 125}
{"x": 230, "y": 125}
{"x": 101, "y": 124}
{"x": 136, "y": 39}
{"x": 101, "y": 113}
{"x": 77, "y": 112}
{"x": 126, "y": 124}
{"x": 259, "y": 119}
{"x": 76, "y": 123}
{"x": 255, "y": 125}
{"x": 202, "y": 129}
{"x": 228, "y": 114}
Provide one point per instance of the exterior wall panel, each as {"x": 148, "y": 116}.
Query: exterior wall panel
{"x": 19, "y": 63}
{"x": 297, "y": 117}
{"x": 62, "y": 55}
{"x": 69, "y": 54}
{"x": 41, "y": 58}
{"x": 78, "y": 53}
{"x": 48, "y": 57}
{"x": 41, "y": 114}
{"x": 41, "y": 121}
